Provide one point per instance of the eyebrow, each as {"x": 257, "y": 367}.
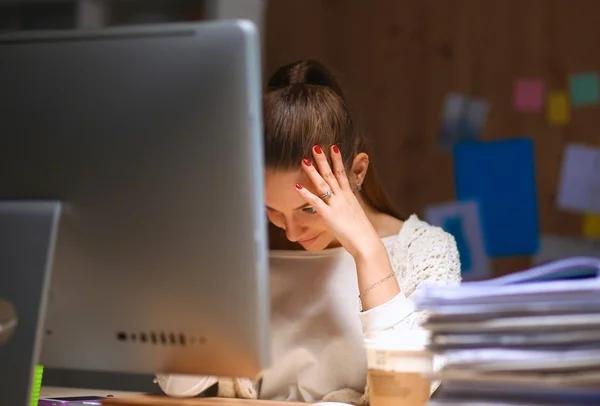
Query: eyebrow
{"x": 305, "y": 205}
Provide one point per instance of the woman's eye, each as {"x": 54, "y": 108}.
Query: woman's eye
{"x": 309, "y": 210}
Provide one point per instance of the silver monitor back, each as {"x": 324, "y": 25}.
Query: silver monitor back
{"x": 151, "y": 138}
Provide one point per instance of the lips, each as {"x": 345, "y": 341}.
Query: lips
{"x": 309, "y": 241}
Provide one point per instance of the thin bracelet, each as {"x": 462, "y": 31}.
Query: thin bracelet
{"x": 374, "y": 285}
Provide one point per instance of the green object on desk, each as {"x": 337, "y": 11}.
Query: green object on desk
{"x": 36, "y": 385}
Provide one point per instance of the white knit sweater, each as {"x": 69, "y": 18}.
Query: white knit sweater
{"x": 419, "y": 253}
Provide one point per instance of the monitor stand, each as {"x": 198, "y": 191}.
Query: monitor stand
{"x": 28, "y": 231}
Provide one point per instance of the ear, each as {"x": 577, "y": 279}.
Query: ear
{"x": 360, "y": 165}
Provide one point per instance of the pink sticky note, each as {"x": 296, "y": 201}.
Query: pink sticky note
{"x": 529, "y": 94}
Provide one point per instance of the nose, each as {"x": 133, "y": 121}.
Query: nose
{"x": 294, "y": 230}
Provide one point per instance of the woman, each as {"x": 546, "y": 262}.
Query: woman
{"x": 322, "y": 194}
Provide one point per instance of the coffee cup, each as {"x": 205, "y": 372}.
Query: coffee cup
{"x": 398, "y": 364}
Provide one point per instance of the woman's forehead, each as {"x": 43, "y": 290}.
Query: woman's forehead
{"x": 280, "y": 191}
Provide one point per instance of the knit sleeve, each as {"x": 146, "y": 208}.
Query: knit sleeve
{"x": 425, "y": 254}
{"x": 422, "y": 253}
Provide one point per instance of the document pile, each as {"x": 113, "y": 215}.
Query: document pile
{"x": 530, "y": 338}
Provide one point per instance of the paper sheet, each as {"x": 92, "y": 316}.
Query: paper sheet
{"x": 492, "y": 359}
{"x": 461, "y": 219}
{"x": 566, "y": 280}
{"x": 595, "y": 187}
{"x": 473, "y": 120}
{"x": 558, "y": 111}
{"x": 584, "y": 89}
{"x": 591, "y": 225}
{"x": 453, "y": 110}
{"x": 528, "y": 94}
{"x": 553, "y": 247}
{"x": 477, "y": 393}
{"x": 500, "y": 176}
{"x": 463, "y": 119}
{"x": 579, "y": 187}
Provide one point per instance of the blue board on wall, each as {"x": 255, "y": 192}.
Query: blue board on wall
{"x": 500, "y": 175}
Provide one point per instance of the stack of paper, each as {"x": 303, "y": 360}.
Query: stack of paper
{"x": 530, "y": 338}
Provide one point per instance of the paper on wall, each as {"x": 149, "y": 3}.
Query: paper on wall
{"x": 553, "y": 247}
{"x": 579, "y": 187}
{"x": 500, "y": 176}
{"x": 584, "y": 89}
{"x": 462, "y": 220}
{"x": 591, "y": 225}
{"x": 558, "y": 110}
{"x": 528, "y": 94}
{"x": 463, "y": 119}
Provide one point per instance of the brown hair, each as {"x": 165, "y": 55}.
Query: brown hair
{"x": 304, "y": 106}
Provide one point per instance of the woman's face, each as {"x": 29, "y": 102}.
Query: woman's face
{"x": 287, "y": 210}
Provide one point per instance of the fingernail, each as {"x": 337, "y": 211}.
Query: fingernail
{"x": 298, "y": 186}
{"x": 318, "y": 149}
{"x": 336, "y": 149}
{"x": 306, "y": 162}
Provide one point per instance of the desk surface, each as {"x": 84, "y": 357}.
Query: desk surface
{"x": 57, "y": 392}
{"x": 166, "y": 401}
{"x": 138, "y": 399}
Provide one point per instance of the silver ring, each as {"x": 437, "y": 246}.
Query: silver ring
{"x": 326, "y": 195}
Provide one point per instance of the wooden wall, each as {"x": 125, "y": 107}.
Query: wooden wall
{"x": 398, "y": 58}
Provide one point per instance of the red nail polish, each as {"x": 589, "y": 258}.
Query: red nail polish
{"x": 306, "y": 162}
{"x": 318, "y": 149}
{"x": 336, "y": 149}
{"x": 298, "y": 186}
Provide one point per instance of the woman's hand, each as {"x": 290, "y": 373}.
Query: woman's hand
{"x": 338, "y": 205}
{"x": 343, "y": 214}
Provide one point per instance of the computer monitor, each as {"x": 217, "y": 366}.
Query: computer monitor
{"x": 150, "y": 140}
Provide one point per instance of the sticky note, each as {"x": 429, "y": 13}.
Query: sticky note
{"x": 558, "y": 110}
{"x": 579, "y": 180}
{"x": 584, "y": 89}
{"x": 500, "y": 176}
{"x": 462, "y": 220}
{"x": 528, "y": 94}
{"x": 591, "y": 225}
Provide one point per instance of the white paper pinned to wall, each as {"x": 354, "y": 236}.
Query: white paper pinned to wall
{"x": 595, "y": 188}
{"x": 462, "y": 220}
{"x": 579, "y": 187}
{"x": 554, "y": 247}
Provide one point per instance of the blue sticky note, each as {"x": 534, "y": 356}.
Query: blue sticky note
{"x": 500, "y": 176}
{"x": 584, "y": 89}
